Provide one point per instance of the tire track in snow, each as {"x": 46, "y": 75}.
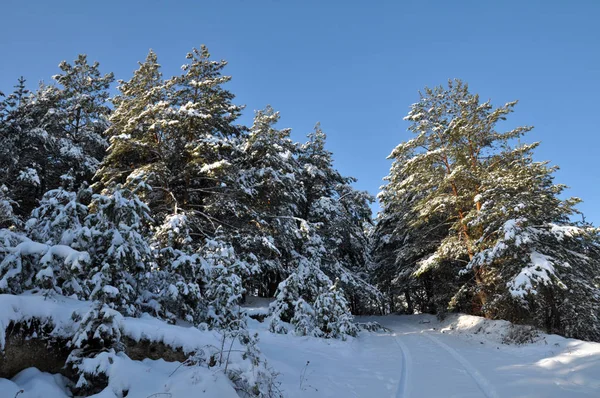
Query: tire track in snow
{"x": 484, "y": 385}
{"x": 404, "y": 383}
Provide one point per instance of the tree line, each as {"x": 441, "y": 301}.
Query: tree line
{"x": 156, "y": 200}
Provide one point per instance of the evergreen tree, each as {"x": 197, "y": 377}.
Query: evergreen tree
{"x": 460, "y": 175}
{"x": 53, "y": 132}
{"x": 99, "y": 332}
{"x": 399, "y": 246}
{"x": 120, "y": 252}
{"x": 137, "y": 151}
{"x": 223, "y": 288}
{"x": 59, "y": 218}
{"x": 82, "y": 116}
{"x": 306, "y": 299}
{"x": 7, "y": 213}
{"x": 24, "y": 148}
{"x": 267, "y": 230}
{"x": 340, "y": 216}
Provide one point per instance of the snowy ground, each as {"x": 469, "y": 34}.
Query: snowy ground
{"x": 420, "y": 357}
{"x": 463, "y": 356}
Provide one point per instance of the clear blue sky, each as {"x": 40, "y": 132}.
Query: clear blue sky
{"x": 356, "y": 66}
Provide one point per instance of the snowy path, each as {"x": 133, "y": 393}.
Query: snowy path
{"x": 415, "y": 360}
{"x": 463, "y": 380}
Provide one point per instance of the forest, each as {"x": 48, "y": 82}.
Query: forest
{"x": 151, "y": 199}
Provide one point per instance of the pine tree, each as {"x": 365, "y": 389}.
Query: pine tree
{"x": 53, "y": 132}
{"x": 267, "y": 234}
{"x": 340, "y": 216}
{"x": 399, "y": 246}
{"x": 82, "y": 116}
{"x": 137, "y": 152}
{"x": 332, "y": 317}
{"x": 98, "y": 333}
{"x": 7, "y": 213}
{"x": 460, "y": 175}
{"x": 120, "y": 252}
{"x": 223, "y": 289}
{"x": 24, "y": 147}
{"x": 306, "y": 299}
{"x": 203, "y": 141}
{"x": 177, "y": 137}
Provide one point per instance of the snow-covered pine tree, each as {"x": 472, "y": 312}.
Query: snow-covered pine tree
{"x": 24, "y": 148}
{"x": 459, "y": 171}
{"x": 332, "y": 317}
{"x": 81, "y": 117}
{"x": 120, "y": 252}
{"x": 306, "y": 298}
{"x": 53, "y": 132}
{"x": 58, "y": 222}
{"x": 7, "y": 214}
{"x": 547, "y": 265}
{"x": 267, "y": 231}
{"x": 204, "y": 143}
{"x": 27, "y": 265}
{"x": 340, "y": 216}
{"x": 97, "y": 339}
{"x": 398, "y": 246}
{"x": 177, "y": 136}
{"x": 58, "y": 219}
{"x": 138, "y": 150}
{"x": 223, "y": 289}
{"x": 173, "y": 287}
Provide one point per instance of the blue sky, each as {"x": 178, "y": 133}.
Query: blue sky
{"x": 355, "y": 66}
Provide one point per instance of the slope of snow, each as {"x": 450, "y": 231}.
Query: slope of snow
{"x": 56, "y": 311}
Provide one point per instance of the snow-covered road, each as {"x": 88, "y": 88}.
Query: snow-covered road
{"x": 426, "y": 357}
{"x": 420, "y": 357}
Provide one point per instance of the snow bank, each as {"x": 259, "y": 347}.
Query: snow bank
{"x": 58, "y": 312}
{"x": 188, "y": 339}
{"x": 158, "y": 378}
{"x": 54, "y": 311}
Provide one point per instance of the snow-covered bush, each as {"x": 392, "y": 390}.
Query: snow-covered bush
{"x": 26, "y": 264}
{"x": 58, "y": 219}
{"x": 96, "y": 340}
{"x": 333, "y": 319}
{"x": 312, "y": 305}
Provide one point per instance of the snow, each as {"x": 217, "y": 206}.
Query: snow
{"x": 110, "y": 291}
{"x": 34, "y": 384}
{"x": 416, "y": 356}
{"x": 539, "y": 270}
{"x": 157, "y": 378}
{"x": 56, "y": 311}
{"x": 29, "y": 176}
{"x": 188, "y": 339}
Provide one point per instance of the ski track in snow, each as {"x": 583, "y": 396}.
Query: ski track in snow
{"x": 404, "y": 383}
{"x": 484, "y": 385}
